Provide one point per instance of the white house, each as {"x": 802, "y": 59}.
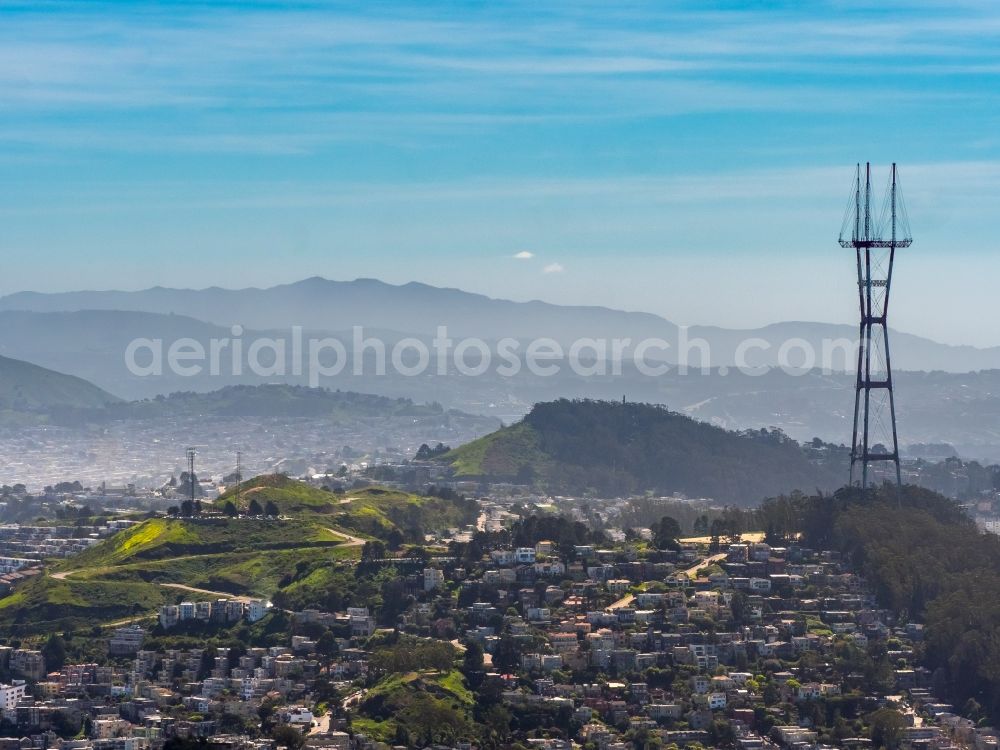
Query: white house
{"x": 298, "y": 715}
{"x": 433, "y": 578}
{"x": 716, "y": 701}
{"x": 255, "y": 610}
{"x": 11, "y": 695}
{"x": 525, "y": 555}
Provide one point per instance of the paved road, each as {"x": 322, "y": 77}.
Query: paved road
{"x": 129, "y": 620}
{"x": 625, "y": 601}
{"x": 353, "y": 699}
{"x": 322, "y": 724}
{"x": 691, "y": 572}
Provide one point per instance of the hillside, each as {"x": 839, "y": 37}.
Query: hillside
{"x": 91, "y": 344}
{"x": 372, "y": 511}
{"x": 163, "y": 560}
{"x": 25, "y": 387}
{"x": 613, "y": 448}
{"x": 926, "y": 561}
{"x": 46, "y": 604}
{"x": 165, "y": 538}
{"x": 275, "y": 400}
{"x": 422, "y": 706}
{"x": 298, "y": 560}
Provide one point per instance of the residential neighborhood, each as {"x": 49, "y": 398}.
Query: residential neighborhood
{"x": 735, "y": 643}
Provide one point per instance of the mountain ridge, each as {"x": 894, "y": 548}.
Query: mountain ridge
{"x": 26, "y": 387}
{"x": 416, "y": 308}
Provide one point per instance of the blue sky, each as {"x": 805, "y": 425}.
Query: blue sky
{"x": 691, "y": 160}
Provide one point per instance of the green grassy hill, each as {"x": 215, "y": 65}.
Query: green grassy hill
{"x": 509, "y": 452}
{"x": 48, "y": 605}
{"x": 167, "y": 538}
{"x": 614, "y": 448}
{"x": 428, "y": 706}
{"x": 123, "y": 576}
{"x": 300, "y": 559}
{"x": 293, "y": 498}
{"x": 371, "y": 511}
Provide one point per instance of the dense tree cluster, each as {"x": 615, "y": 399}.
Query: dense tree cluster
{"x": 613, "y": 448}
{"x": 926, "y": 559}
{"x": 410, "y": 655}
{"x": 426, "y": 453}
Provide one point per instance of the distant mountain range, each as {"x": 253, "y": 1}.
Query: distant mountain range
{"x": 323, "y": 305}
{"x": 318, "y": 304}
{"x": 611, "y": 448}
{"x": 956, "y": 399}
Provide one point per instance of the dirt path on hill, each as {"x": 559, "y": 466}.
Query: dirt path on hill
{"x": 352, "y": 541}
{"x": 349, "y": 541}
{"x": 207, "y": 592}
{"x": 63, "y": 575}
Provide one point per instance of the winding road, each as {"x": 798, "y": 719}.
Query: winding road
{"x": 691, "y": 572}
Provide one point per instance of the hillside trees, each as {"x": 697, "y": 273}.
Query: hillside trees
{"x": 610, "y": 448}
{"x": 926, "y": 560}
{"x": 666, "y": 533}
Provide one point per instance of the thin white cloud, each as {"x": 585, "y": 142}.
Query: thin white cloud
{"x": 553, "y": 268}
{"x": 524, "y": 255}
{"x": 243, "y": 59}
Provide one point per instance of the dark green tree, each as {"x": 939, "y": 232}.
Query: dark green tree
{"x": 327, "y": 644}
{"x": 54, "y": 652}
{"x": 666, "y": 532}
{"x": 288, "y": 736}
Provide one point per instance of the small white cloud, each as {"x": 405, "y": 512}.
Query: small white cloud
{"x": 553, "y": 268}
{"x": 524, "y": 255}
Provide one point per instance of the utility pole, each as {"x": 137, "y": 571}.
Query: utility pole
{"x": 190, "y": 458}
{"x": 239, "y": 476}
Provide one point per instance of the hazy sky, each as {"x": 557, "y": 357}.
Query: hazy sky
{"x": 692, "y": 160}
